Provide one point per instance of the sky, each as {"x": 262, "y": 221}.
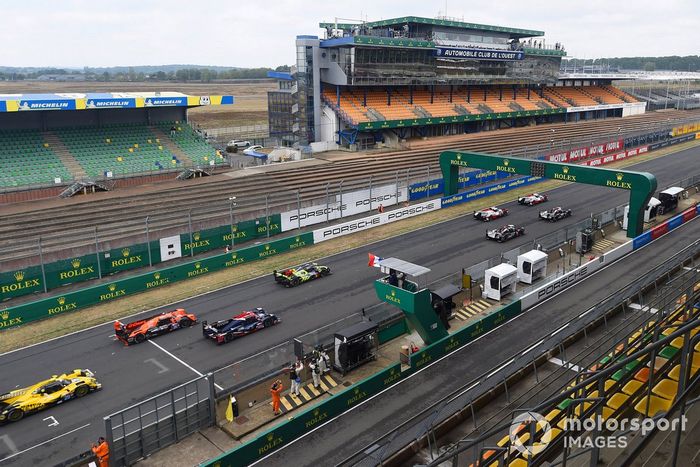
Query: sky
{"x": 261, "y": 33}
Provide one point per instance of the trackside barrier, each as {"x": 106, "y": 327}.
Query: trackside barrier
{"x": 282, "y": 434}
{"x": 30, "y": 279}
{"x": 56, "y": 305}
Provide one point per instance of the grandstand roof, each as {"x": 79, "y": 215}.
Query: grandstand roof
{"x": 514, "y": 32}
{"x": 114, "y": 100}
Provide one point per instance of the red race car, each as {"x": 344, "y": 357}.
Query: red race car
{"x": 139, "y": 331}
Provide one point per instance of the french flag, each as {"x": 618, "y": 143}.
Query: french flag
{"x": 374, "y": 260}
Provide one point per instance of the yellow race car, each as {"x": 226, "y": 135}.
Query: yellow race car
{"x": 14, "y": 405}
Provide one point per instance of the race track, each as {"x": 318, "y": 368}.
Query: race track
{"x": 129, "y": 374}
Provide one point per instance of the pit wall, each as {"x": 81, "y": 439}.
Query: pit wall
{"x": 31, "y": 280}
{"x": 285, "y": 432}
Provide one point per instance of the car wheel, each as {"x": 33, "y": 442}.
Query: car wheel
{"x": 228, "y": 338}
{"x": 325, "y": 272}
{"x": 139, "y": 338}
{"x": 185, "y": 322}
{"x": 499, "y": 240}
{"x": 16, "y": 415}
{"x": 81, "y": 390}
{"x": 268, "y": 322}
{"x": 295, "y": 282}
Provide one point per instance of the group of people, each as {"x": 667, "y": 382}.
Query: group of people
{"x": 319, "y": 364}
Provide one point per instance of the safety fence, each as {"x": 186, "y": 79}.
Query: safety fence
{"x": 286, "y": 432}
{"x": 137, "y": 431}
{"x": 52, "y": 306}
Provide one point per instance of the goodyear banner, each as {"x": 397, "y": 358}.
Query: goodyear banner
{"x": 102, "y": 293}
{"x": 471, "y": 195}
{"x": 437, "y": 186}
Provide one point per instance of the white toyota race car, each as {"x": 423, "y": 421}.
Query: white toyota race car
{"x": 555, "y": 214}
{"x": 490, "y": 214}
{"x": 505, "y": 233}
{"x": 531, "y": 200}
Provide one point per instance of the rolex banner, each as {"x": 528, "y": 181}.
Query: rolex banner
{"x": 20, "y": 282}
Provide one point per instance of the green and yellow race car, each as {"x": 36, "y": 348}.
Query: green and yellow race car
{"x": 291, "y": 277}
{"x": 14, "y": 405}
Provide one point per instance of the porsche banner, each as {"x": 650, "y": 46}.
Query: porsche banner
{"x": 349, "y": 204}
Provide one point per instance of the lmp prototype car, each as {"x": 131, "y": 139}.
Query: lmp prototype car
{"x": 15, "y": 404}
{"x": 298, "y": 275}
{"x": 139, "y": 331}
{"x": 531, "y": 200}
{"x": 555, "y": 214}
{"x": 505, "y": 233}
{"x": 240, "y": 325}
{"x": 490, "y": 214}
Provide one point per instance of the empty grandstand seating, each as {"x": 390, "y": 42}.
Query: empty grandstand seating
{"x": 191, "y": 143}
{"x": 373, "y": 104}
{"x": 27, "y": 159}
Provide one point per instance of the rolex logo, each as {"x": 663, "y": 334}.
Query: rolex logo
{"x": 565, "y": 170}
{"x": 196, "y": 236}
{"x": 197, "y": 265}
{"x": 234, "y": 255}
{"x": 156, "y": 275}
{"x": 75, "y": 263}
{"x": 61, "y": 300}
{"x": 316, "y": 412}
{"x": 267, "y": 247}
{"x": 270, "y": 436}
{"x": 126, "y": 252}
{"x": 112, "y": 287}
{"x": 619, "y": 176}
{"x": 234, "y": 228}
{"x": 5, "y": 314}
{"x": 357, "y": 390}
{"x": 297, "y": 238}
{"x": 506, "y": 162}
{"x": 393, "y": 293}
{"x": 459, "y": 157}
{"x": 19, "y": 275}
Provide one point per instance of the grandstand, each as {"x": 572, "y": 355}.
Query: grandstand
{"x": 383, "y": 81}
{"x": 98, "y": 136}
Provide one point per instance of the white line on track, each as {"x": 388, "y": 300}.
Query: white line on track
{"x": 465, "y": 215}
{"x": 45, "y": 442}
{"x": 187, "y": 365}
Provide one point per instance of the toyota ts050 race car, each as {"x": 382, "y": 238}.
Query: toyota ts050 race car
{"x": 490, "y": 214}
{"x": 292, "y": 277}
{"x": 505, "y": 233}
{"x": 139, "y": 331}
{"x": 555, "y": 214}
{"x": 240, "y": 325}
{"x": 15, "y": 404}
{"x": 531, "y": 200}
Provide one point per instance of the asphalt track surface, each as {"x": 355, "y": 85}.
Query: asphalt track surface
{"x": 349, "y": 433}
{"x": 129, "y": 374}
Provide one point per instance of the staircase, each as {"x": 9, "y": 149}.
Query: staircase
{"x": 460, "y": 109}
{"x": 484, "y": 108}
{"x": 516, "y": 107}
{"x": 63, "y": 153}
{"x": 165, "y": 141}
{"x": 421, "y": 112}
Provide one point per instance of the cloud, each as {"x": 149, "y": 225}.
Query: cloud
{"x": 261, "y": 33}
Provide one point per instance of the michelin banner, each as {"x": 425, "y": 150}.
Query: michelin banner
{"x": 350, "y": 204}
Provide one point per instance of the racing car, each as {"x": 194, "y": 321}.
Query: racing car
{"x": 505, "y": 232}
{"x": 292, "y": 277}
{"x": 240, "y": 325}
{"x": 15, "y": 404}
{"x": 490, "y": 214}
{"x": 532, "y": 199}
{"x": 139, "y": 331}
{"x": 555, "y": 214}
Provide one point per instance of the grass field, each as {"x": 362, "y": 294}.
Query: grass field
{"x": 250, "y": 106}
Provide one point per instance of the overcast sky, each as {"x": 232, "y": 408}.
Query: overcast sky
{"x": 257, "y": 33}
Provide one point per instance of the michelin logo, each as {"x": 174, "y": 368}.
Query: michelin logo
{"x": 151, "y": 102}
{"x": 42, "y": 105}
{"x": 91, "y": 104}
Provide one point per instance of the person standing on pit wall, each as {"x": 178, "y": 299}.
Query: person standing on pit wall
{"x": 315, "y": 372}
{"x": 101, "y": 451}
{"x": 295, "y": 377}
{"x": 324, "y": 361}
{"x": 275, "y": 391}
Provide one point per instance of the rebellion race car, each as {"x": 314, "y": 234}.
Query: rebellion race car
{"x": 240, "y": 325}
{"x": 531, "y": 200}
{"x": 490, "y": 214}
{"x": 298, "y": 275}
{"x": 139, "y": 331}
{"x": 555, "y": 214}
{"x": 15, "y": 404}
{"x": 505, "y": 233}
